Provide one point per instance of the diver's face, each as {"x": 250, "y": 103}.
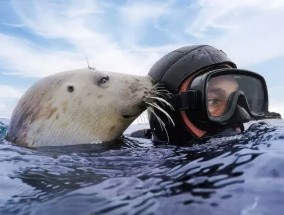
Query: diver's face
{"x": 218, "y": 92}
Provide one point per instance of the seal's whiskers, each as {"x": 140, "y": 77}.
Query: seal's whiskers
{"x": 155, "y": 105}
{"x": 163, "y": 101}
{"x": 160, "y": 88}
{"x": 163, "y": 95}
{"x": 161, "y": 123}
{"x": 157, "y": 101}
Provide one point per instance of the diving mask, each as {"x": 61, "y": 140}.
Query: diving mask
{"x": 215, "y": 95}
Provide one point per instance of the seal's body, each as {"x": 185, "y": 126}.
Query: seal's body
{"x": 78, "y": 107}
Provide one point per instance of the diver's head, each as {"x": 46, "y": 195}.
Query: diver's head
{"x": 208, "y": 92}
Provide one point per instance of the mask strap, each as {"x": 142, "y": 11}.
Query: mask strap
{"x": 190, "y": 126}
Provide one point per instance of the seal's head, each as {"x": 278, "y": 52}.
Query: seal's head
{"x": 77, "y": 107}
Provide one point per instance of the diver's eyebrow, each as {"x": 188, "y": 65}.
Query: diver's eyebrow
{"x": 216, "y": 90}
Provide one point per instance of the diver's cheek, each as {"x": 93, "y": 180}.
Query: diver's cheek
{"x": 217, "y": 110}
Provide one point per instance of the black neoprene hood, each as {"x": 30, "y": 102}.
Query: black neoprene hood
{"x": 176, "y": 66}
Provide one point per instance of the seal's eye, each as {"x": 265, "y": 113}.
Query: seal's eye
{"x": 103, "y": 81}
{"x": 70, "y": 88}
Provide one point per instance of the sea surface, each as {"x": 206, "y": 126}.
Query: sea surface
{"x": 242, "y": 174}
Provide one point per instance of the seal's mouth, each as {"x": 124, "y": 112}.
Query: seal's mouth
{"x": 130, "y": 116}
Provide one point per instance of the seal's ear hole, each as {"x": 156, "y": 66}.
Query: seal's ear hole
{"x": 70, "y": 88}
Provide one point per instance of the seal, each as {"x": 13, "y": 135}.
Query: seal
{"x": 78, "y": 107}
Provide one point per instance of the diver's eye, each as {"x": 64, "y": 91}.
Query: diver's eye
{"x": 103, "y": 81}
{"x": 213, "y": 102}
{"x": 70, "y": 88}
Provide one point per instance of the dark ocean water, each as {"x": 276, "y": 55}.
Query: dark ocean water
{"x": 243, "y": 175}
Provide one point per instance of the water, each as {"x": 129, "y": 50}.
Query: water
{"x": 241, "y": 175}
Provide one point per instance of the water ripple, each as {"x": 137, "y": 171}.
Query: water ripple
{"x": 231, "y": 175}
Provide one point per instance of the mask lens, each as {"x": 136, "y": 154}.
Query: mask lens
{"x": 221, "y": 88}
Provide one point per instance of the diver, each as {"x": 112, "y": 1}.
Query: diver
{"x": 209, "y": 94}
